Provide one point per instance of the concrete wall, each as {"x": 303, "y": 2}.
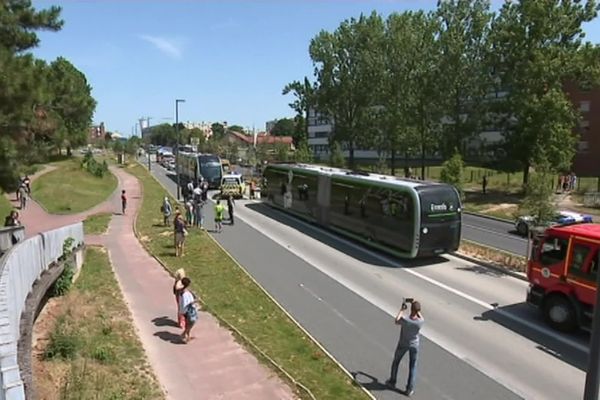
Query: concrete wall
{"x": 20, "y": 268}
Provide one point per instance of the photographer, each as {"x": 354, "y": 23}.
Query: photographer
{"x": 409, "y": 341}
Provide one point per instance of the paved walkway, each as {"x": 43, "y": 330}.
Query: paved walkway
{"x": 36, "y": 219}
{"x": 213, "y": 366}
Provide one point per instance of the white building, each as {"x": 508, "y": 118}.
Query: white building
{"x": 205, "y": 127}
{"x": 320, "y": 130}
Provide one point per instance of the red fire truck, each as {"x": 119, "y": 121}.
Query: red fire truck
{"x": 562, "y": 274}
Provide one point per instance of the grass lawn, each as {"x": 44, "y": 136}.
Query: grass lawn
{"x": 96, "y": 224}
{"x": 93, "y": 351}
{"x": 229, "y": 293}
{"x": 5, "y": 206}
{"x": 70, "y": 189}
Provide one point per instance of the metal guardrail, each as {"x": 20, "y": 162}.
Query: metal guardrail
{"x": 20, "y": 267}
{"x": 591, "y": 199}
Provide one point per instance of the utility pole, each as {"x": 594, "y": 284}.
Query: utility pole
{"x": 177, "y": 101}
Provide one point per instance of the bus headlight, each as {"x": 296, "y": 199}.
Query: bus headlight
{"x": 425, "y": 230}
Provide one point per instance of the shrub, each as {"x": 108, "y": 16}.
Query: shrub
{"x": 92, "y": 166}
{"x": 64, "y": 343}
{"x": 452, "y": 171}
{"x": 64, "y": 282}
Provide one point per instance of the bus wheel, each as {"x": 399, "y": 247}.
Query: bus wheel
{"x": 559, "y": 313}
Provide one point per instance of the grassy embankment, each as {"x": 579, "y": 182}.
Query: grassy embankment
{"x": 92, "y": 350}
{"x": 231, "y": 295}
{"x": 80, "y": 192}
{"x": 96, "y": 224}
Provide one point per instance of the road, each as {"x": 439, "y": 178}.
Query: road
{"x": 493, "y": 233}
{"x": 480, "y": 340}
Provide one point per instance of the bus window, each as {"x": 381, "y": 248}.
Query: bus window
{"x": 554, "y": 250}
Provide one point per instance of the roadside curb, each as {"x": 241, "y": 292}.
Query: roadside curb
{"x": 514, "y": 274}
{"x": 481, "y": 215}
{"x": 232, "y": 328}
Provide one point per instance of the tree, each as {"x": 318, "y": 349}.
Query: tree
{"x": 464, "y": 28}
{"x": 396, "y": 132}
{"x": 218, "y": 131}
{"x": 236, "y": 128}
{"x": 336, "y": 157}
{"x": 284, "y": 127}
{"x": 304, "y": 100}
{"x": 538, "y": 200}
{"x": 163, "y": 135}
{"x": 132, "y": 145}
{"x": 303, "y": 153}
{"x": 19, "y": 21}
{"x": 346, "y": 64}
{"x": 72, "y": 104}
{"x": 452, "y": 171}
{"x": 536, "y": 48}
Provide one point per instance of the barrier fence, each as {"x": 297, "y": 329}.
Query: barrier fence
{"x": 20, "y": 267}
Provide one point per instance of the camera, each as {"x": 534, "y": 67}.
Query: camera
{"x": 406, "y": 301}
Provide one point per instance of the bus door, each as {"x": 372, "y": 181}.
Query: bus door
{"x": 323, "y": 199}
{"x": 582, "y": 268}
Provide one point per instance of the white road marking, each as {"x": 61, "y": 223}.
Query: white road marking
{"x": 506, "y": 235}
{"x": 540, "y": 329}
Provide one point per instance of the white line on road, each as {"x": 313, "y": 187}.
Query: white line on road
{"x": 506, "y": 235}
{"x": 540, "y": 329}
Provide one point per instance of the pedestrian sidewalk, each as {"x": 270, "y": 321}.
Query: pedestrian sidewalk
{"x": 35, "y": 219}
{"x": 212, "y": 366}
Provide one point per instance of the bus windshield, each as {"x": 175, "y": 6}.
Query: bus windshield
{"x": 439, "y": 203}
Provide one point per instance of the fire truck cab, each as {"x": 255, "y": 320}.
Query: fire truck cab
{"x": 562, "y": 272}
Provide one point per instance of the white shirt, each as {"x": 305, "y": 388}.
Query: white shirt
{"x": 186, "y": 299}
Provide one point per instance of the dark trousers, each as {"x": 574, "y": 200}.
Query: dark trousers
{"x": 413, "y": 354}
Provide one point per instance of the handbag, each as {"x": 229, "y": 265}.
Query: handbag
{"x": 185, "y": 232}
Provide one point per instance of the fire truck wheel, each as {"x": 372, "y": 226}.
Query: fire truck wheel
{"x": 559, "y": 313}
{"x": 522, "y": 228}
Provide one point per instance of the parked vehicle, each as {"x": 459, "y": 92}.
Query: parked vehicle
{"x": 232, "y": 185}
{"x": 562, "y": 272}
{"x": 524, "y": 223}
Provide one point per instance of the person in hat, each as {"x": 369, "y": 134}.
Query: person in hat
{"x": 177, "y": 291}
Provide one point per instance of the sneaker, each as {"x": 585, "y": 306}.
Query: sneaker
{"x": 409, "y": 392}
{"x": 390, "y": 383}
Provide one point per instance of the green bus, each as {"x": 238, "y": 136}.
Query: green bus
{"x": 405, "y": 217}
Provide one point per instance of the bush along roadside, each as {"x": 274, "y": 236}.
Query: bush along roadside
{"x": 497, "y": 258}
{"x": 232, "y": 296}
{"x": 95, "y": 168}
{"x": 87, "y": 347}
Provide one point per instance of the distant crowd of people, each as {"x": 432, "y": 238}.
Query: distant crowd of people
{"x": 195, "y": 199}
{"x": 566, "y": 183}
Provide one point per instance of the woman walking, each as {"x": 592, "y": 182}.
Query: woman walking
{"x": 177, "y": 292}
{"x": 187, "y": 306}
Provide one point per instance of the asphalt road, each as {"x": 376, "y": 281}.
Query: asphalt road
{"x": 493, "y": 233}
{"x": 480, "y": 340}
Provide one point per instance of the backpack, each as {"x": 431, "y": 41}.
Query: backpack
{"x": 191, "y": 313}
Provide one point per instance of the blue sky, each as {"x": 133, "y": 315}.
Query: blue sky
{"x": 228, "y": 59}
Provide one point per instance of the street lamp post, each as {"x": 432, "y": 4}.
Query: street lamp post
{"x": 177, "y": 101}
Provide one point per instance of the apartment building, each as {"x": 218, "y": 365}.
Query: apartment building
{"x": 587, "y": 101}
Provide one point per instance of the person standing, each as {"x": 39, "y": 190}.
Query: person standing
{"x": 219, "y": 211}
{"x": 204, "y": 188}
{"x": 409, "y": 341}
{"x": 27, "y": 183}
{"x": 230, "y": 206}
{"x": 187, "y": 307}
{"x": 484, "y": 183}
{"x": 199, "y": 214}
{"x": 166, "y": 210}
{"x": 123, "y": 201}
{"x": 180, "y": 233}
{"x": 22, "y": 196}
{"x": 177, "y": 292}
{"x": 189, "y": 212}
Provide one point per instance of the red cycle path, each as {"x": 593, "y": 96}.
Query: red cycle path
{"x": 213, "y": 365}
